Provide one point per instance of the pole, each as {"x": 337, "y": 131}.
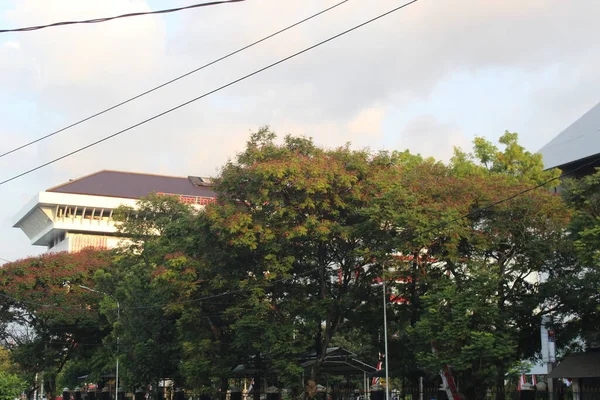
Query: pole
{"x": 118, "y": 319}
{"x": 117, "y": 372}
{"x": 385, "y": 335}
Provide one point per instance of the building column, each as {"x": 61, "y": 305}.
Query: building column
{"x": 576, "y": 389}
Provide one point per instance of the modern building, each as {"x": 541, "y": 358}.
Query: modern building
{"x": 576, "y": 150}
{"x": 79, "y": 213}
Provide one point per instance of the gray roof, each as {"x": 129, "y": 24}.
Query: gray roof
{"x": 132, "y": 185}
{"x": 580, "y": 140}
{"x": 578, "y": 365}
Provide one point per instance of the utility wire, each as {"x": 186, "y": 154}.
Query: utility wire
{"x": 258, "y": 71}
{"x": 436, "y": 227}
{"x": 105, "y": 19}
{"x": 172, "y": 80}
{"x": 413, "y": 236}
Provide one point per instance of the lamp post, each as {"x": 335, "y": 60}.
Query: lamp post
{"x": 118, "y": 319}
{"x": 385, "y": 338}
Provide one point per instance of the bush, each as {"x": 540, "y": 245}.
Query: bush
{"x": 11, "y": 386}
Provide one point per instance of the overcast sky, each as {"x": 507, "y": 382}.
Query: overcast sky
{"x": 429, "y": 77}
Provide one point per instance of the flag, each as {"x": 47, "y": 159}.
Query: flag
{"x": 376, "y": 380}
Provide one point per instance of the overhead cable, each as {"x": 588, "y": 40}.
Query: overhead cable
{"x": 74, "y": 124}
{"x": 258, "y": 71}
{"x": 106, "y": 19}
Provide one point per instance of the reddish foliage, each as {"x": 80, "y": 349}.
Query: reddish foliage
{"x": 48, "y": 284}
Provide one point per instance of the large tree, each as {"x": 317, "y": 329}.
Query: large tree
{"x": 144, "y": 334}
{"x": 483, "y": 298}
{"x": 48, "y": 322}
{"x": 293, "y": 219}
{"x": 582, "y": 317}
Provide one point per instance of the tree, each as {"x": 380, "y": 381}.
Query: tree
{"x": 148, "y": 346}
{"x": 48, "y": 322}
{"x": 500, "y": 250}
{"x": 514, "y": 161}
{"x": 291, "y": 230}
{"x": 582, "y": 317}
{"x": 11, "y": 386}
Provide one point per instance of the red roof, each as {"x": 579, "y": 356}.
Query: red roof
{"x": 132, "y": 185}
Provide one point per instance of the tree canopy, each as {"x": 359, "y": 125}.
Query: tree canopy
{"x": 290, "y": 259}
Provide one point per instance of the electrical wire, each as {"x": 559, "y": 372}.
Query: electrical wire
{"x": 105, "y": 19}
{"x": 258, "y": 71}
{"x": 172, "y": 80}
{"x": 436, "y": 227}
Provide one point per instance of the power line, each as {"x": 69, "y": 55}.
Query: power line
{"x": 504, "y": 200}
{"x": 258, "y": 71}
{"x": 105, "y": 19}
{"x": 172, "y": 80}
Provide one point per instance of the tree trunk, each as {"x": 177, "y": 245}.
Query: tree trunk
{"x": 414, "y": 301}
{"x": 500, "y": 395}
{"x": 224, "y": 388}
{"x": 257, "y": 387}
{"x": 499, "y": 328}
{"x": 50, "y": 386}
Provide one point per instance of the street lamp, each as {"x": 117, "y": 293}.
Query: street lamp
{"x": 385, "y": 337}
{"x": 118, "y": 319}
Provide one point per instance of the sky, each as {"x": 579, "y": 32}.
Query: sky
{"x": 429, "y": 77}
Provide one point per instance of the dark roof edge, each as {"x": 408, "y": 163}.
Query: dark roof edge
{"x": 109, "y": 170}
{"x": 575, "y": 162}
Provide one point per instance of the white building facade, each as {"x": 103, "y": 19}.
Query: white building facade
{"x": 79, "y": 214}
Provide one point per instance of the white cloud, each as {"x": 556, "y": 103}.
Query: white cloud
{"x": 429, "y": 137}
{"x": 12, "y": 45}
{"x": 344, "y": 91}
{"x": 368, "y": 123}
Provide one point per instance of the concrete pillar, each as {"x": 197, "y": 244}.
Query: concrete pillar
{"x": 273, "y": 393}
{"x": 180, "y": 394}
{"x": 576, "y": 383}
{"x": 235, "y": 393}
{"x": 377, "y": 392}
{"x": 139, "y": 394}
{"x": 321, "y": 392}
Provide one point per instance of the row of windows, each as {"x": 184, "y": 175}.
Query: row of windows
{"x": 90, "y": 213}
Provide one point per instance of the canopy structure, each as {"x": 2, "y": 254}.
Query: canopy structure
{"x": 339, "y": 361}
{"x": 246, "y": 370}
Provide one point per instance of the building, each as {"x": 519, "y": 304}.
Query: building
{"x": 78, "y": 213}
{"x": 576, "y": 150}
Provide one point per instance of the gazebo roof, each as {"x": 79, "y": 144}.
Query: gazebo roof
{"x": 337, "y": 361}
